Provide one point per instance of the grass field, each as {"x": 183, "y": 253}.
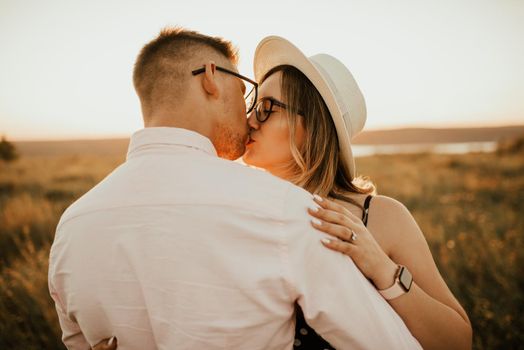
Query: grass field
{"x": 470, "y": 208}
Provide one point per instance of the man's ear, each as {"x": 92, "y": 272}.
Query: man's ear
{"x": 209, "y": 82}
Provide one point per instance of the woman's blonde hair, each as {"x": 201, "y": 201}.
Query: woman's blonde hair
{"x": 317, "y": 166}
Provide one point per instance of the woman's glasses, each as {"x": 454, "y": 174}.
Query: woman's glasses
{"x": 264, "y": 108}
{"x": 251, "y": 93}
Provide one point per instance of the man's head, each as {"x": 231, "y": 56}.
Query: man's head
{"x": 211, "y": 103}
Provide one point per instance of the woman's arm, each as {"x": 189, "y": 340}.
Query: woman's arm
{"x": 429, "y": 309}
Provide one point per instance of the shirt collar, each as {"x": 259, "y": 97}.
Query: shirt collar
{"x": 165, "y": 136}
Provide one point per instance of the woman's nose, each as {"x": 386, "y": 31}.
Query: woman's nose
{"x": 252, "y": 120}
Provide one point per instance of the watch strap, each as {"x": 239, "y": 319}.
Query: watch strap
{"x": 396, "y": 289}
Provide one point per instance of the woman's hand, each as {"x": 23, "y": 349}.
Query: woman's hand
{"x": 354, "y": 240}
{"x": 106, "y": 344}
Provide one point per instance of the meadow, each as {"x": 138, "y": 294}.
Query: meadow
{"x": 470, "y": 208}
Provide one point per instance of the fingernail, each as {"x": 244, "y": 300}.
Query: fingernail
{"x": 325, "y": 240}
{"x": 316, "y": 221}
{"x": 314, "y": 208}
{"x": 110, "y": 341}
{"x": 317, "y": 197}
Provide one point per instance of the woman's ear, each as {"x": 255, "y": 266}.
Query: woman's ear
{"x": 209, "y": 82}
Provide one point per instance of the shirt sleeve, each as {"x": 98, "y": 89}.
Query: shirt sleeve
{"x": 336, "y": 299}
{"x": 72, "y": 336}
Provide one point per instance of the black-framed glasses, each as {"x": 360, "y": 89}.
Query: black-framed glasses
{"x": 251, "y": 93}
{"x": 264, "y": 108}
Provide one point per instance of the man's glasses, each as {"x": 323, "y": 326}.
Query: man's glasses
{"x": 264, "y": 108}
{"x": 251, "y": 93}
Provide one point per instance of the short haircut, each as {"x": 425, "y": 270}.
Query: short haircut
{"x": 163, "y": 65}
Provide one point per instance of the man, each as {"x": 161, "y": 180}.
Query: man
{"x": 179, "y": 248}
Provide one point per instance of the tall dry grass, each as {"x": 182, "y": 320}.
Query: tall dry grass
{"x": 469, "y": 207}
{"x": 34, "y": 191}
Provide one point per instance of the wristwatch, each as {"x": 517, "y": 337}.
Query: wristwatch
{"x": 402, "y": 284}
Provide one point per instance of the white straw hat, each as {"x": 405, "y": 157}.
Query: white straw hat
{"x": 331, "y": 78}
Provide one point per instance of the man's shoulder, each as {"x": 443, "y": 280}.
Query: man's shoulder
{"x": 251, "y": 180}
{"x": 260, "y": 190}
{"x": 89, "y": 200}
{"x": 239, "y": 170}
{"x": 265, "y": 181}
{"x": 78, "y": 207}
{"x": 211, "y": 181}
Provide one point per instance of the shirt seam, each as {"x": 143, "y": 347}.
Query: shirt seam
{"x": 62, "y": 223}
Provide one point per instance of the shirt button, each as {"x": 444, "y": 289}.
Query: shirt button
{"x": 303, "y": 331}
{"x": 297, "y": 342}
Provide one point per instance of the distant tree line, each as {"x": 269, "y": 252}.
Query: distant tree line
{"x": 511, "y": 146}
{"x": 7, "y": 150}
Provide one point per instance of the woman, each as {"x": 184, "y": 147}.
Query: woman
{"x": 307, "y": 111}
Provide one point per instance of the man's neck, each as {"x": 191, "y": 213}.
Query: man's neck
{"x": 184, "y": 122}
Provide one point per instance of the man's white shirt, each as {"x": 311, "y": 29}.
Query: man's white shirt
{"x": 179, "y": 249}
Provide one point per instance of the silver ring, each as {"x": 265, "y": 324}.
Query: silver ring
{"x": 353, "y": 236}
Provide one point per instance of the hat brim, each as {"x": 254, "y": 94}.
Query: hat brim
{"x": 274, "y": 51}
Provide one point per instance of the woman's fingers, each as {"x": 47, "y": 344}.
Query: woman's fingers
{"x": 333, "y": 217}
{"x": 106, "y": 344}
{"x": 339, "y": 231}
{"x": 339, "y": 246}
{"x": 334, "y": 206}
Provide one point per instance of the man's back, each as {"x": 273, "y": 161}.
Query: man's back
{"x": 178, "y": 249}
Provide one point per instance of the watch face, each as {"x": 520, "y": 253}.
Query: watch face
{"x": 405, "y": 278}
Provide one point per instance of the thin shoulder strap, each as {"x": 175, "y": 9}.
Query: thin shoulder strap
{"x": 365, "y": 213}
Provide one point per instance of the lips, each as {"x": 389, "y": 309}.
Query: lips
{"x": 249, "y": 140}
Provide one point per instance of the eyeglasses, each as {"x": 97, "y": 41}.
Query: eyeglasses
{"x": 251, "y": 93}
{"x": 264, "y": 108}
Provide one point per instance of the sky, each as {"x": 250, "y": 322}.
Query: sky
{"x": 66, "y": 65}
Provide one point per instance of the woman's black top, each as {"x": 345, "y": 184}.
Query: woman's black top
{"x": 305, "y": 336}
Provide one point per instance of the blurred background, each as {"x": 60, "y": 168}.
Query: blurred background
{"x": 444, "y": 87}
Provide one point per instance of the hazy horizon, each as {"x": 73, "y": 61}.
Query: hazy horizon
{"x": 100, "y": 136}
{"x": 466, "y": 129}
{"x": 66, "y": 66}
